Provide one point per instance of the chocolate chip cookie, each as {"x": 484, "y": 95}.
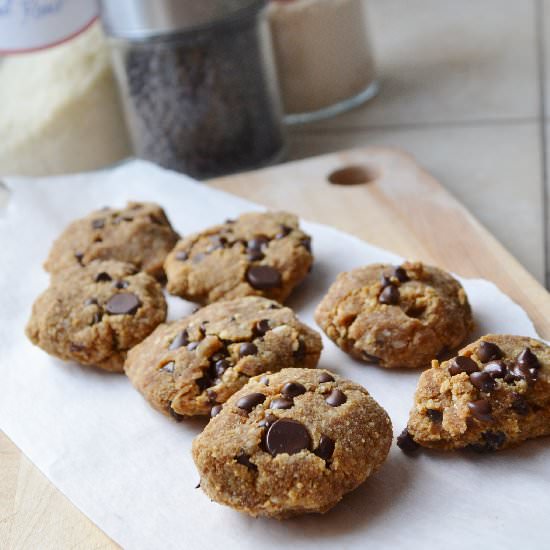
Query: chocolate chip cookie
{"x": 263, "y": 254}
{"x": 139, "y": 234}
{"x": 292, "y": 442}
{"x": 95, "y": 314}
{"x": 494, "y": 394}
{"x": 190, "y": 366}
{"x": 400, "y": 316}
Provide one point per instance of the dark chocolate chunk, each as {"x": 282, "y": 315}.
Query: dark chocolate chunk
{"x": 325, "y": 377}
{"x": 461, "y": 363}
{"x": 336, "y": 398}
{"x": 221, "y": 366}
{"x": 215, "y": 410}
{"x": 528, "y": 359}
{"x": 325, "y": 449}
{"x": 287, "y": 436}
{"x": 306, "y": 243}
{"x": 495, "y": 369}
{"x": 98, "y": 223}
{"x": 125, "y": 303}
{"x": 488, "y": 351}
{"x": 299, "y": 353}
{"x": 493, "y": 440}
{"x": 285, "y": 230}
{"x": 182, "y": 255}
{"x": 181, "y": 339}
{"x": 389, "y": 295}
{"x": 248, "y": 402}
{"x": 400, "y": 274}
{"x": 264, "y": 380}
{"x": 258, "y": 242}
{"x": 293, "y": 389}
{"x": 203, "y": 383}
{"x": 244, "y": 459}
{"x": 261, "y": 327}
{"x": 254, "y": 255}
{"x": 406, "y": 443}
{"x": 481, "y": 409}
{"x": 281, "y": 403}
{"x": 212, "y": 396}
{"x": 121, "y": 284}
{"x": 247, "y": 348}
{"x": 434, "y": 415}
{"x": 267, "y": 421}
{"x": 371, "y": 358}
{"x": 168, "y": 367}
{"x": 385, "y": 280}
{"x": 102, "y": 277}
{"x": 483, "y": 381}
{"x": 176, "y": 416}
{"x": 524, "y": 372}
{"x": 79, "y": 256}
{"x": 192, "y": 346}
{"x": 519, "y": 404}
{"x": 263, "y": 277}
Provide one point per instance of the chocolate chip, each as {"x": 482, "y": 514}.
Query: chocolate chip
{"x": 192, "y": 346}
{"x": 181, "y": 339}
{"x": 481, "y": 409}
{"x": 325, "y": 377}
{"x": 385, "y": 281}
{"x": 306, "y": 243}
{"x": 299, "y": 353}
{"x": 168, "y": 367}
{"x": 434, "y": 415}
{"x": 79, "y": 256}
{"x": 244, "y": 459}
{"x": 483, "y": 381}
{"x": 495, "y": 369}
{"x": 389, "y": 296}
{"x": 287, "y": 436}
{"x": 212, "y": 396}
{"x": 258, "y": 242}
{"x": 462, "y": 363}
{"x": 281, "y": 403}
{"x": 176, "y": 416}
{"x": 121, "y": 284}
{"x": 371, "y": 358}
{"x": 325, "y": 449}
{"x": 406, "y": 443}
{"x": 247, "y": 348}
{"x": 221, "y": 366}
{"x": 215, "y": 410}
{"x": 261, "y": 327}
{"x": 523, "y": 372}
{"x": 90, "y": 302}
{"x": 293, "y": 389}
{"x": 203, "y": 383}
{"x": 493, "y": 440}
{"x": 267, "y": 421}
{"x": 98, "y": 223}
{"x": 400, "y": 274}
{"x": 285, "y": 230}
{"x": 263, "y": 277}
{"x": 488, "y": 351}
{"x": 255, "y": 255}
{"x": 125, "y": 303}
{"x": 336, "y": 398}
{"x": 102, "y": 277}
{"x": 182, "y": 255}
{"x": 528, "y": 359}
{"x": 519, "y": 404}
{"x": 264, "y": 380}
{"x": 248, "y": 402}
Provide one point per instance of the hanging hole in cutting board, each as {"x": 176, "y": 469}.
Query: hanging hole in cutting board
{"x": 353, "y": 175}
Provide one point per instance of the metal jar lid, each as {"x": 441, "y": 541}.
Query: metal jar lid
{"x": 138, "y": 19}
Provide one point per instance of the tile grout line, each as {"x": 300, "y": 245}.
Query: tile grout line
{"x": 541, "y": 60}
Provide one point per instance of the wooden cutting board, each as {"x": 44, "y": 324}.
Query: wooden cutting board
{"x": 377, "y": 194}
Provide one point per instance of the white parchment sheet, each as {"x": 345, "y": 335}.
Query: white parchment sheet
{"x": 130, "y": 469}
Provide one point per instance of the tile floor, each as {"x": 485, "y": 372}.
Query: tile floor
{"x": 465, "y": 87}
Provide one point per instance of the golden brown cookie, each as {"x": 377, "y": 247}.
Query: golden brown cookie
{"x": 95, "y": 314}
{"x": 139, "y": 234}
{"x": 493, "y": 395}
{"x": 396, "y": 316}
{"x": 189, "y": 366}
{"x": 292, "y": 442}
{"x": 264, "y": 254}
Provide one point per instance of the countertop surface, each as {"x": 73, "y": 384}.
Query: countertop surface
{"x": 465, "y": 88}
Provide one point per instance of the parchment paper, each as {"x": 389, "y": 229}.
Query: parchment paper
{"x": 129, "y": 468}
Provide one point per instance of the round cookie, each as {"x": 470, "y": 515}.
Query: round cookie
{"x": 95, "y": 314}
{"x": 139, "y": 234}
{"x": 263, "y": 254}
{"x": 493, "y": 395}
{"x": 186, "y": 367}
{"x": 292, "y": 442}
{"x": 396, "y": 316}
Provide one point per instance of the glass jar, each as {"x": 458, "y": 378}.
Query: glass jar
{"x": 324, "y": 57}
{"x": 198, "y": 82}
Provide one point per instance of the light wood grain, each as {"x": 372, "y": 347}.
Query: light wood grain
{"x": 403, "y": 209}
